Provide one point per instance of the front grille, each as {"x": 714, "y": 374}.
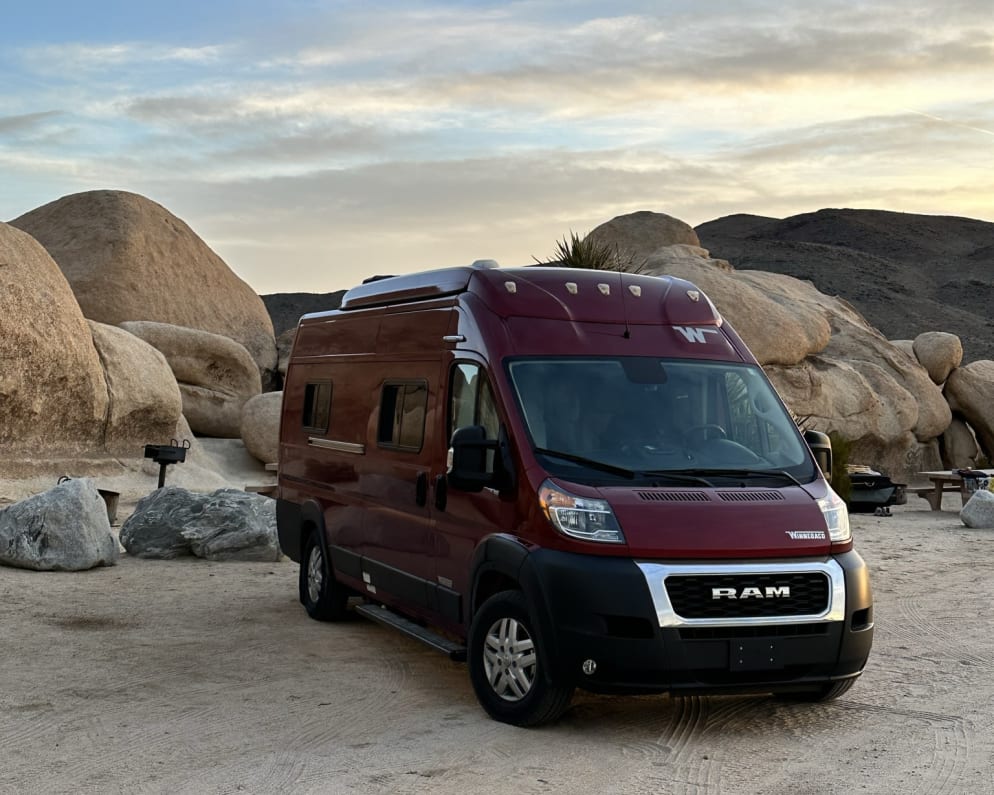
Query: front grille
{"x": 755, "y": 595}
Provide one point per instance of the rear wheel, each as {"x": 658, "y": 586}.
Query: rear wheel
{"x": 505, "y": 649}
{"x": 322, "y": 596}
{"x": 827, "y": 692}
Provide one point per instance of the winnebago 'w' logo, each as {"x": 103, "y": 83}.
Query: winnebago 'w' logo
{"x": 695, "y": 334}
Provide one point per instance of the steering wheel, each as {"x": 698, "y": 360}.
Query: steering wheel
{"x": 721, "y": 434}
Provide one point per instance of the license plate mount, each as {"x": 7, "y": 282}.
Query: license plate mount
{"x": 753, "y": 655}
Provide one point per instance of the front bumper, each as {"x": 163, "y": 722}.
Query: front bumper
{"x": 609, "y": 610}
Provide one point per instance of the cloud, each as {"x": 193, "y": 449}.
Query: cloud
{"x": 70, "y": 59}
{"x": 400, "y": 135}
{"x": 26, "y": 122}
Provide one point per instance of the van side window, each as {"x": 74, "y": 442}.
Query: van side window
{"x": 471, "y": 400}
{"x": 402, "y": 415}
{"x": 317, "y": 406}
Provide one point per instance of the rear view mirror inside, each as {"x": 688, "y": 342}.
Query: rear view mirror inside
{"x": 643, "y": 370}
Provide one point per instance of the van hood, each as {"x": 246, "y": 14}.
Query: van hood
{"x": 720, "y": 522}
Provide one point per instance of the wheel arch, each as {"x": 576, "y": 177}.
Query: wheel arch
{"x": 501, "y": 563}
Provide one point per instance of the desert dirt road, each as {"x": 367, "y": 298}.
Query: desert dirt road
{"x": 195, "y": 677}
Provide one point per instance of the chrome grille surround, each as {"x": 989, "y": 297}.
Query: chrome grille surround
{"x": 656, "y": 573}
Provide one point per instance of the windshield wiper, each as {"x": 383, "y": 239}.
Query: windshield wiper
{"x": 743, "y": 473}
{"x": 678, "y": 476}
{"x": 588, "y": 462}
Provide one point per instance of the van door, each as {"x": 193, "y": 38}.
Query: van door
{"x": 398, "y": 546}
{"x": 463, "y": 519}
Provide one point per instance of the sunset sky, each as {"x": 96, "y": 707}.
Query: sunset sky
{"x": 314, "y": 143}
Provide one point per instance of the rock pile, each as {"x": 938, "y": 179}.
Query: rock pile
{"x": 225, "y": 525}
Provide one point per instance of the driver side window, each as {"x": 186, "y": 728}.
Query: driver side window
{"x": 471, "y": 400}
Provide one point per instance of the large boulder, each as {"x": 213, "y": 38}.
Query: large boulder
{"x": 128, "y": 258}
{"x": 284, "y": 346}
{"x": 970, "y": 392}
{"x": 635, "y": 236}
{"x": 906, "y": 347}
{"x": 53, "y": 398}
{"x": 939, "y": 353}
{"x": 261, "y": 426}
{"x": 216, "y": 375}
{"x": 63, "y": 529}
{"x": 979, "y": 510}
{"x": 145, "y": 403}
{"x": 959, "y": 445}
{"x": 226, "y": 525}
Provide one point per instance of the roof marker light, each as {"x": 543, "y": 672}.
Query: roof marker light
{"x": 635, "y": 290}
{"x": 571, "y": 288}
{"x": 604, "y": 288}
{"x": 511, "y": 287}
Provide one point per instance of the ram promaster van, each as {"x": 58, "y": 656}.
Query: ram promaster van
{"x": 568, "y": 478}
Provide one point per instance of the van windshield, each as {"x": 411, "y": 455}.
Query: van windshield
{"x": 604, "y": 418}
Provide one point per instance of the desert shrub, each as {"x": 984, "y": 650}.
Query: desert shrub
{"x": 583, "y": 252}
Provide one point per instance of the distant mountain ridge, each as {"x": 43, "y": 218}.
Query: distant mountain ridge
{"x": 906, "y": 273}
{"x": 285, "y": 309}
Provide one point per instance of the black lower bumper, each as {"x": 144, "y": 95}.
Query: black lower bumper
{"x": 600, "y": 609}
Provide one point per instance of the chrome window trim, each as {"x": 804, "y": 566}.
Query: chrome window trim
{"x": 656, "y": 573}
{"x": 341, "y": 447}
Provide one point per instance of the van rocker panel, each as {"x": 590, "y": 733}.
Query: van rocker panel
{"x": 601, "y": 609}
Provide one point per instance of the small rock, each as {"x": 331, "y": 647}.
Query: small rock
{"x": 979, "y": 510}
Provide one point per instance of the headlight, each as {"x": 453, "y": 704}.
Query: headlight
{"x": 580, "y": 517}
{"x": 833, "y": 508}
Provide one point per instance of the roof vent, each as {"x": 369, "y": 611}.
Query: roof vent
{"x": 571, "y": 288}
{"x": 511, "y": 287}
{"x": 604, "y": 288}
{"x": 485, "y": 264}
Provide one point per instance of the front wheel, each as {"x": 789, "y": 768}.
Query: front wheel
{"x": 505, "y": 649}
{"x": 322, "y": 596}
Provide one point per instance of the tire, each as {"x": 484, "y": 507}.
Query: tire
{"x": 827, "y": 692}
{"x": 505, "y": 648}
{"x": 322, "y": 596}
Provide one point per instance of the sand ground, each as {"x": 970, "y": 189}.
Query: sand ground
{"x": 196, "y": 677}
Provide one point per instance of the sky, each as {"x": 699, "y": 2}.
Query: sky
{"x": 314, "y": 143}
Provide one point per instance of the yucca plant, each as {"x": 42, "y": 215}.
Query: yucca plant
{"x": 583, "y": 252}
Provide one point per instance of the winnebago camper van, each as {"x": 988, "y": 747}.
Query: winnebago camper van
{"x": 567, "y": 478}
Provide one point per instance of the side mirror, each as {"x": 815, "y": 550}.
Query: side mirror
{"x": 821, "y": 448}
{"x": 468, "y": 459}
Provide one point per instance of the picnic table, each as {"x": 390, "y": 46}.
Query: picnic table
{"x": 946, "y": 481}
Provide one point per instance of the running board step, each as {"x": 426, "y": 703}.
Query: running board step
{"x": 388, "y": 618}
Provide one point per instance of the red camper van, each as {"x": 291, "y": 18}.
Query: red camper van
{"x": 570, "y": 479}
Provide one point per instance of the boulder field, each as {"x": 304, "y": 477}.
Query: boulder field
{"x": 119, "y": 327}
